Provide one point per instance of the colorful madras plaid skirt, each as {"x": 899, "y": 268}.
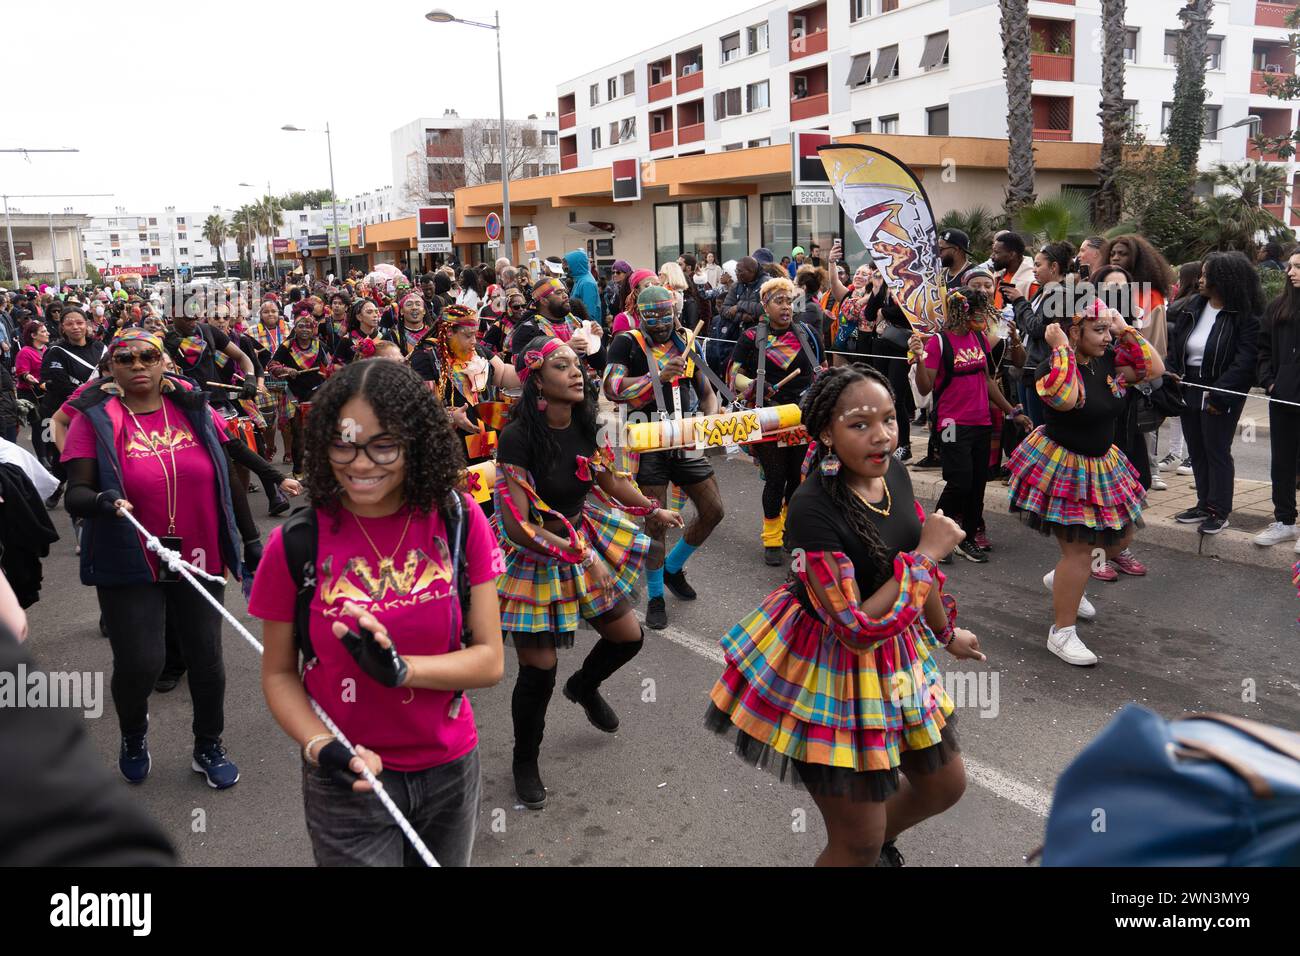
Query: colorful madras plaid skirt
{"x": 542, "y": 595}
{"x": 1092, "y": 499}
{"x": 792, "y": 690}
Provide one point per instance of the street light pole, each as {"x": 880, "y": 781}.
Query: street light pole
{"x": 9, "y": 234}
{"x": 334, "y": 201}
{"x": 54, "y": 251}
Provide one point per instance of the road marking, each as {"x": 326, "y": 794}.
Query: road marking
{"x": 1031, "y": 798}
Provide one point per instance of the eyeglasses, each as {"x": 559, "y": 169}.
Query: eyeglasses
{"x": 382, "y": 450}
{"x": 516, "y": 307}
{"x": 126, "y": 358}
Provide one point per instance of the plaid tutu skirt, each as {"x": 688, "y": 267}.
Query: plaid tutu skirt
{"x": 1088, "y": 499}
{"x": 541, "y": 595}
{"x": 840, "y": 723}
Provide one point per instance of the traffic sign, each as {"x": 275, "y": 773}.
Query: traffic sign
{"x": 492, "y": 226}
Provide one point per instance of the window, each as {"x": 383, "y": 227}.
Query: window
{"x": 185, "y": 251}
{"x": 730, "y": 47}
{"x": 155, "y": 252}
{"x": 799, "y": 87}
{"x": 1171, "y": 46}
{"x": 859, "y": 10}
{"x": 491, "y": 172}
{"x": 888, "y": 6}
{"x": 756, "y": 97}
{"x": 112, "y": 237}
{"x": 887, "y": 63}
{"x": 936, "y": 51}
{"x": 180, "y": 220}
{"x": 1210, "y": 120}
{"x": 629, "y": 83}
{"x": 889, "y": 125}
{"x": 765, "y": 141}
{"x": 719, "y": 226}
{"x": 117, "y": 252}
{"x": 776, "y": 227}
{"x": 144, "y": 237}
{"x": 549, "y": 137}
{"x": 550, "y": 169}
{"x": 660, "y": 70}
{"x": 756, "y": 38}
{"x": 595, "y": 94}
{"x": 611, "y": 88}
{"x": 1214, "y": 53}
{"x": 1131, "y": 113}
{"x": 595, "y": 137}
{"x": 491, "y": 137}
{"x": 153, "y": 220}
{"x": 860, "y": 70}
{"x": 936, "y": 121}
{"x": 1131, "y": 44}
{"x": 302, "y": 217}
{"x": 182, "y": 237}
{"x": 862, "y": 126}
{"x": 726, "y": 104}
{"x": 153, "y": 237}
{"x": 731, "y": 146}
{"x": 613, "y": 133}
{"x": 627, "y": 129}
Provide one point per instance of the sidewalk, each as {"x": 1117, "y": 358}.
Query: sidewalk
{"x": 1252, "y": 511}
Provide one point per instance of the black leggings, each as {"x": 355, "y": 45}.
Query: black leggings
{"x": 138, "y": 618}
{"x": 36, "y": 422}
{"x": 965, "y": 458}
{"x": 781, "y": 467}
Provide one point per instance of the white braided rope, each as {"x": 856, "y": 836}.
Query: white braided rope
{"x": 188, "y": 571}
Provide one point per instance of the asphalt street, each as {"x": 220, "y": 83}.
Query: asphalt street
{"x": 663, "y": 791}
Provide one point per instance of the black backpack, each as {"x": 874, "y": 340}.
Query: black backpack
{"x": 300, "y": 534}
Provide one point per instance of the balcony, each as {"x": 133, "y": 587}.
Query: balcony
{"x": 808, "y": 45}
{"x": 661, "y": 91}
{"x": 568, "y": 120}
{"x": 690, "y": 82}
{"x": 815, "y": 104}
{"x": 568, "y": 110}
{"x": 1259, "y": 81}
{"x": 1053, "y": 118}
{"x": 1054, "y": 135}
{"x": 568, "y": 161}
{"x": 690, "y": 134}
{"x": 1052, "y": 66}
{"x": 661, "y": 140}
{"x": 1272, "y": 14}
{"x": 1275, "y": 123}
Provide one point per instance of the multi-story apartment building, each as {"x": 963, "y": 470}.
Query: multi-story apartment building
{"x": 915, "y": 68}
{"x": 432, "y": 157}
{"x": 155, "y": 243}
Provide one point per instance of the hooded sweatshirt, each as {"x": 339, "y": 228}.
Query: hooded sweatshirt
{"x": 584, "y": 283}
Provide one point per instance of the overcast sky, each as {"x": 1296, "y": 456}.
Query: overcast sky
{"x": 175, "y": 103}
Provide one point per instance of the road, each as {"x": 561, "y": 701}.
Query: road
{"x": 663, "y": 791}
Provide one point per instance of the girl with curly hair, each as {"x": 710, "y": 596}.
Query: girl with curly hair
{"x": 832, "y": 677}
{"x": 382, "y": 648}
{"x": 362, "y": 333}
{"x": 565, "y": 558}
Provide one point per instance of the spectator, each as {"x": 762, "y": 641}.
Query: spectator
{"x": 1270, "y": 258}
{"x": 1009, "y": 259}
{"x": 1090, "y": 256}
{"x": 712, "y": 271}
{"x": 799, "y": 256}
{"x": 1035, "y": 313}
{"x": 1279, "y": 376}
{"x": 740, "y": 309}
{"x": 954, "y": 253}
{"x": 810, "y": 281}
{"x": 470, "y": 290}
{"x": 584, "y": 284}
{"x": 1213, "y": 341}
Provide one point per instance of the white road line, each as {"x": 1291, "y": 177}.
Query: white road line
{"x": 1024, "y": 795}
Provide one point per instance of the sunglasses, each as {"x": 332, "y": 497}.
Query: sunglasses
{"x": 126, "y": 358}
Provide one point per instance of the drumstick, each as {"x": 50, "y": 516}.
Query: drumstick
{"x": 786, "y": 381}
{"x": 699, "y": 327}
{"x": 229, "y": 388}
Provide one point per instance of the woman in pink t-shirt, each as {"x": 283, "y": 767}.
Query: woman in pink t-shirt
{"x": 955, "y": 364}
{"x": 382, "y": 651}
{"x": 27, "y": 378}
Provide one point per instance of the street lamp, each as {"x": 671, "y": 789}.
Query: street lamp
{"x": 442, "y": 16}
{"x": 334, "y": 197}
{"x": 9, "y": 233}
{"x": 1251, "y": 120}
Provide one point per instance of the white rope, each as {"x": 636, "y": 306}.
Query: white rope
{"x": 896, "y": 358}
{"x": 186, "y": 570}
{"x": 1228, "y": 391}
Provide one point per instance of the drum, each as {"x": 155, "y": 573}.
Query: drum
{"x": 240, "y": 427}
{"x": 493, "y": 415}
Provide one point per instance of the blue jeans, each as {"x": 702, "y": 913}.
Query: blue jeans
{"x": 1030, "y": 400}
{"x": 353, "y": 829}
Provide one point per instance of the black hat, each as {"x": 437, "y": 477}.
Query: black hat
{"x": 955, "y": 237}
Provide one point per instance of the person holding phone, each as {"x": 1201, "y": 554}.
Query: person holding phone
{"x": 146, "y": 444}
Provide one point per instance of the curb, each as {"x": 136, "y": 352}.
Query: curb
{"x": 1229, "y": 545}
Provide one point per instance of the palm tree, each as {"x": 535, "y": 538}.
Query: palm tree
{"x": 1106, "y": 202}
{"x": 979, "y": 223}
{"x": 243, "y": 222}
{"x": 1020, "y": 106}
{"x": 1064, "y": 218}
{"x": 215, "y": 231}
{"x": 269, "y": 217}
{"x": 1236, "y": 217}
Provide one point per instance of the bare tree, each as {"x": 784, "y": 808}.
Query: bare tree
{"x": 475, "y": 156}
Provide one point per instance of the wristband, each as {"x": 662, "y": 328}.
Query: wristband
{"x": 945, "y": 636}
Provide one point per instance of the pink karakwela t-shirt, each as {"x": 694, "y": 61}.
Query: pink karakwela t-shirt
{"x": 413, "y": 595}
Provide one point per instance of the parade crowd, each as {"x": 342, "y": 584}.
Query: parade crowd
{"x": 388, "y": 396}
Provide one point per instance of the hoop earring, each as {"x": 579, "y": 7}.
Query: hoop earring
{"x": 830, "y": 465}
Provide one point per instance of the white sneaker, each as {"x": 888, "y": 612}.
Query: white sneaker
{"x": 1186, "y": 467}
{"x": 1086, "y": 611}
{"x": 1066, "y": 645}
{"x": 1169, "y": 461}
{"x": 1158, "y": 483}
{"x": 1276, "y": 533}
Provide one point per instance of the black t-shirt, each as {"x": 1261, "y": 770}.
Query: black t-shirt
{"x": 65, "y": 367}
{"x": 627, "y": 351}
{"x": 1089, "y": 430}
{"x": 302, "y": 386}
{"x": 779, "y": 363}
{"x": 817, "y": 523}
{"x": 195, "y": 358}
{"x": 560, "y": 487}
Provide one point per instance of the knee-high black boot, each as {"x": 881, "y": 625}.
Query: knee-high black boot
{"x": 582, "y": 688}
{"x": 528, "y": 704}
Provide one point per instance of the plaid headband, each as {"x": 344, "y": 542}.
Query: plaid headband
{"x": 534, "y": 358}
{"x": 410, "y": 295}
{"x": 545, "y": 287}
{"x": 1096, "y": 309}
{"x": 460, "y": 316}
{"x": 134, "y": 334}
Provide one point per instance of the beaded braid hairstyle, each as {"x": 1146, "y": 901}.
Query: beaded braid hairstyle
{"x": 818, "y": 411}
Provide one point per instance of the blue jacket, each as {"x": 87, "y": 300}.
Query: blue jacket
{"x": 584, "y": 284}
{"x": 111, "y": 553}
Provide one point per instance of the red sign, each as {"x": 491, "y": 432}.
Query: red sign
{"x": 627, "y": 180}
{"x": 130, "y": 270}
{"x": 808, "y": 168}
{"x": 280, "y": 245}
{"x": 434, "y": 222}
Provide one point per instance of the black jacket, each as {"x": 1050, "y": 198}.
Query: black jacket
{"x": 1279, "y": 358}
{"x": 1231, "y": 354}
{"x": 8, "y": 400}
{"x": 26, "y": 534}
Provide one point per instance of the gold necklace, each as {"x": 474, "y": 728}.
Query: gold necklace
{"x": 385, "y": 563}
{"x": 889, "y": 502}
{"x": 171, "y": 483}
